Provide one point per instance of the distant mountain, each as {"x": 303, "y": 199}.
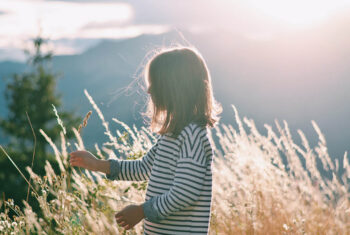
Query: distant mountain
{"x": 105, "y": 71}
{"x": 287, "y": 77}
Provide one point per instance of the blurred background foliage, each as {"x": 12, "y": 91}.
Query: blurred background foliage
{"x": 30, "y": 97}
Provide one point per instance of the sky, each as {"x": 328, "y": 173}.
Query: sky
{"x": 295, "y": 50}
{"x": 75, "y": 25}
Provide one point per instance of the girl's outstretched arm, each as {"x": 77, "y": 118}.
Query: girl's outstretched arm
{"x": 87, "y": 160}
{"x": 133, "y": 170}
{"x": 188, "y": 179}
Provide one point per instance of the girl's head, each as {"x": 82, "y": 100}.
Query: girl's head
{"x": 179, "y": 84}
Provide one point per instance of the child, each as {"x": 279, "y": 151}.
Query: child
{"x": 178, "y": 166}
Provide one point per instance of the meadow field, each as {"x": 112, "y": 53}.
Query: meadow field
{"x": 262, "y": 184}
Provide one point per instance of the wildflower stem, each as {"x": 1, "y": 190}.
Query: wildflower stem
{"x": 14, "y": 210}
{"x": 30, "y": 123}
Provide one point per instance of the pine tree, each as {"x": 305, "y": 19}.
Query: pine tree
{"x": 32, "y": 92}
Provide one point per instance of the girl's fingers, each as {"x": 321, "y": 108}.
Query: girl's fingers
{"x": 75, "y": 163}
{"x": 122, "y": 223}
{"x": 75, "y": 157}
{"x": 119, "y": 214}
{"x": 75, "y": 152}
{"x": 73, "y": 160}
{"x": 72, "y": 154}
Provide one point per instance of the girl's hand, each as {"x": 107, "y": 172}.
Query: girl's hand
{"x": 84, "y": 159}
{"x": 130, "y": 216}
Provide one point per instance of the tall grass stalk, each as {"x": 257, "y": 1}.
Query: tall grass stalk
{"x": 33, "y": 156}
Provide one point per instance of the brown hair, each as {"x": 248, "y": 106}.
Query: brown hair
{"x": 179, "y": 84}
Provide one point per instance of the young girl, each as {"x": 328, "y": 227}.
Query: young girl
{"x": 178, "y": 166}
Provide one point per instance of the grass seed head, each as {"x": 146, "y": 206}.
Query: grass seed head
{"x": 85, "y": 121}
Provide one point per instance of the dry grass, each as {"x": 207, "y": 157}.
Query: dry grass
{"x": 255, "y": 193}
{"x": 255, "y": 190}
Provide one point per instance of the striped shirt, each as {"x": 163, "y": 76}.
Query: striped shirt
{"x": 179, "y": 191}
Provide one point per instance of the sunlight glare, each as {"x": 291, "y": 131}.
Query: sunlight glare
{"x": 298, "y": 13}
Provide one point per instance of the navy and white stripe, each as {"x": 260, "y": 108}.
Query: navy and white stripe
{"x": 178, "y": 197}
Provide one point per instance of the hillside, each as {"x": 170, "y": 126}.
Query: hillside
{"x": 264, "y": 79}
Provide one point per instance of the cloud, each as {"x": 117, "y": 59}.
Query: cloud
{"x": 192, "y": 15}
{"x": 101, "y": 25}
{"x": 69, "y": 20}
{"x": 57, "y": 19}
{"x": 86, "y": 1}
{"x": 74, "y": 19}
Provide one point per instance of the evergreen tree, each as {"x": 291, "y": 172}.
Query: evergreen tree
{"x": 32, "y": 92}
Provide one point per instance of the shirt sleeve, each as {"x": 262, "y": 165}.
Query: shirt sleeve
{"x": 188, "y": 179}
{"x": 133, "y": 170}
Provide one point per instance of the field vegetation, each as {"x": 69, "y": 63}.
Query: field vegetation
{"x": 262, "y": 184}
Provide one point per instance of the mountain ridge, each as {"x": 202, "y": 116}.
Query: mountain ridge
{"x": 263, "y": 79}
